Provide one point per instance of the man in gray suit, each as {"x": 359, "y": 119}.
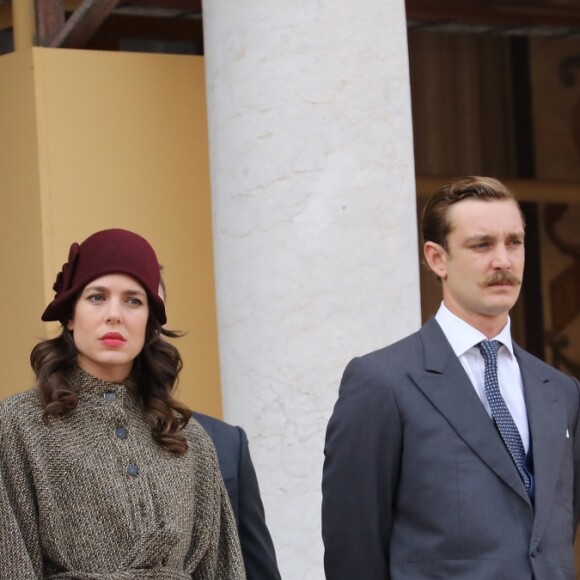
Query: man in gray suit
{"x": 454, "y": 454}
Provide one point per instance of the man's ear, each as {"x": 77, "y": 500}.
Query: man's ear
{"x": 436, "y": 258}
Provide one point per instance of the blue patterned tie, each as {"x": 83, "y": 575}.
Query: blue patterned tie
{"x": 499, "y": 411}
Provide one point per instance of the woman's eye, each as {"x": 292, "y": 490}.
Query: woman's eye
{"x": 95, "y": 298}
{"x": 135, "y": 301}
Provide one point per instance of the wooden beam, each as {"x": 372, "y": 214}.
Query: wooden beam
{"x": 5, "y": 16}
{"x": 49, "y": 20}
{"x": 119, "y": 26}
{"x": 493, "y": 13}
{"x": 177, "y": 5}
{"x": 83, "y": 23}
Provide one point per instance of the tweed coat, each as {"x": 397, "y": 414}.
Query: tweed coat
{"x": 92, "y": 496}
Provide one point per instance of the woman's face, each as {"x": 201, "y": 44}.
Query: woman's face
{"x": 108, "y": 325}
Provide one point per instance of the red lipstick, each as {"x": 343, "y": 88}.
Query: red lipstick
{"x": 113, "y": 339}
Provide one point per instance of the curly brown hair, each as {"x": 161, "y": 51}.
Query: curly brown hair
{"x": 154, "y": 378}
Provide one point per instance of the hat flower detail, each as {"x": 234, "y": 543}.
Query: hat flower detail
{"x": 65, "y": 277}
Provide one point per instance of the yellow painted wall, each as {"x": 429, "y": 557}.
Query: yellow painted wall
{"x": 21, "y": 267}
{"x": 122, "y": 142}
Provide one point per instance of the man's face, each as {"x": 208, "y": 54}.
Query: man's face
{"x": 482, "y": 269}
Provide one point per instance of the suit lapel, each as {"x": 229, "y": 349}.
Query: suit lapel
{"x": 445, "y": 383}
{"x": 546, "y": 410}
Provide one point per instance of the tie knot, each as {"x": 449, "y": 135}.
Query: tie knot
{"x": 489, "y": 349}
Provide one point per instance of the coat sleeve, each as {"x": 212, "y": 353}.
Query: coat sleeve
{"x": 257, "y": 546}
{"x": 223, "y": 559}
{"x": 216, "y": 552}
{"x": 361, "y": 470}
{"x": 20, "y": 553}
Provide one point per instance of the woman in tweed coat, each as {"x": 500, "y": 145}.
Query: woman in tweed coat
{"x": 102, "y": 475}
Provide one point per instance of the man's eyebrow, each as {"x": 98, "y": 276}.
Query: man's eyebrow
{"x": 489, "y": 237}
{"x": 479, "y": 238}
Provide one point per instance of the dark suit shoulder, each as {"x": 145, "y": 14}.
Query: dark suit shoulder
{"x": 218, "y": 428}
{"x": 411, "y": 341}
{"x": 392, "y": 360}
{"x": 396, "y": 350}
{"x": 539, "y": 366}
{"x": 228, "y": 441}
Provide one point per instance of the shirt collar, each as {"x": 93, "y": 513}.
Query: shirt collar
{"x": 462, "y": 336}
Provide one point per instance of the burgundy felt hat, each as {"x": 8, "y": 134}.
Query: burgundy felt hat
{"x": 113, "y": 251}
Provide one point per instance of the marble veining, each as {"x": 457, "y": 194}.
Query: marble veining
{"x": 315, "y": 230}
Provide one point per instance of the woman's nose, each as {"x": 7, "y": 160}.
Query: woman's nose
{"x": 114, "y": 312}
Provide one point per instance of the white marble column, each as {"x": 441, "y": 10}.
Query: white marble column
{"x": 314, "y": 227}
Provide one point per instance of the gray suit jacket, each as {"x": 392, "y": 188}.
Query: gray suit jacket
{"x": 418, "y": 484}
{"x": 239, "y": 476}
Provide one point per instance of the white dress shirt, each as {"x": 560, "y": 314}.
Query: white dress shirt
{"x": 464, "y": 339}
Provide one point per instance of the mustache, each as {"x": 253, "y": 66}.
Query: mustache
{"x": 500, "y": 278}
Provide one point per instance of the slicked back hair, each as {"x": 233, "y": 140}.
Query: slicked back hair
{"x": 435, "y": 225}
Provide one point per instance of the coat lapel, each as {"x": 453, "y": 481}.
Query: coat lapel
{"x": 445, "y": 383}
{"x": 546, "y": 410}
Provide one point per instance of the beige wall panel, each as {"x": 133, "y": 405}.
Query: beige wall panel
{"x": 21, "y": 290}
{"x": 123, "y": 143}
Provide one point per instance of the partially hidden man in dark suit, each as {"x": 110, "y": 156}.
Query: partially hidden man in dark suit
{"x": 428, "y": 475}
{"x": 239, "y": 476}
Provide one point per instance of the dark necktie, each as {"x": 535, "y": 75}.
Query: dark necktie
{"x": 499, "y": 411}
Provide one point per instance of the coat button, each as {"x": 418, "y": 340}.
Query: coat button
{"x": 121, "y": 433}
{"x": 109, "y": 396}
{"x": 133, "y": 470}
